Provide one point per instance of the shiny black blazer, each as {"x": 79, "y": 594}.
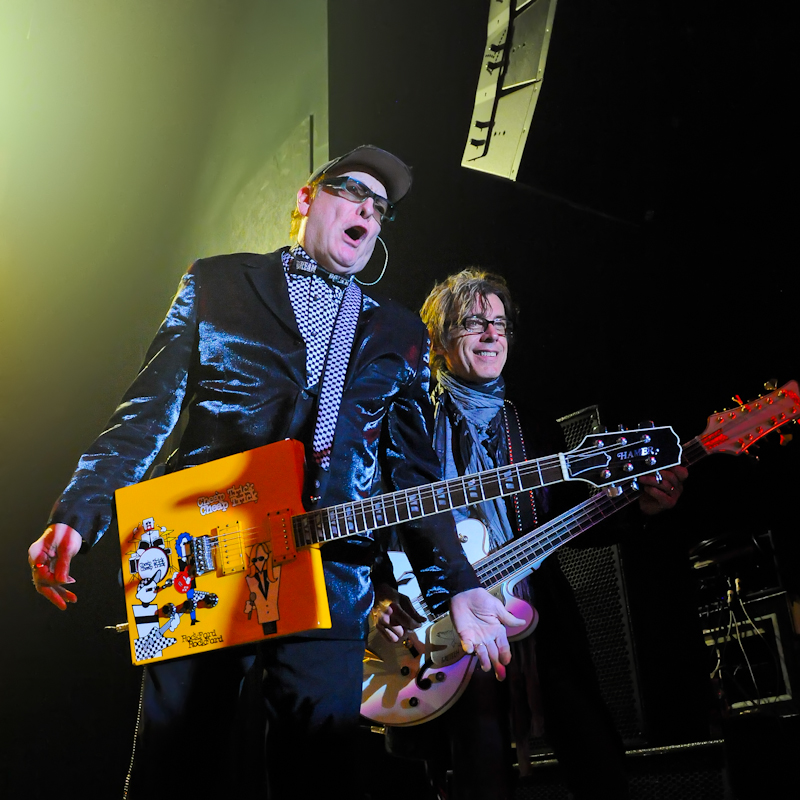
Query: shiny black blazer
{"x": 229, "y": 356}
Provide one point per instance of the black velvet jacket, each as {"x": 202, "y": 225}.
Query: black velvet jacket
{"x": 230, "y": 355}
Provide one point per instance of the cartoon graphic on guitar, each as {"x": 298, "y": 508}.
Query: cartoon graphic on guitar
{"x": 227, "y": 530}
{"x": 413, "y": 681}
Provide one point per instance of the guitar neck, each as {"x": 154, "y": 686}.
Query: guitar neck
{"x": 361, "y": 516}
{"x": 628, "y": 453}
{"x": 515, "y": 559}
{"x": 732, "y": 431}
{"x": 518, "y": 557}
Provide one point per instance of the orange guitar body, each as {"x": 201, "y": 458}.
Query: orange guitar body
{"x": 208, "y": 556}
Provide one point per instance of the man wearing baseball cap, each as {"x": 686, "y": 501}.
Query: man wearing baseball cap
{"x": 250, "y": 352}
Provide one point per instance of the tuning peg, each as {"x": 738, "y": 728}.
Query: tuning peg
{"x": 648, "y": 423}
{"x": 771, "y": 385}
{"x": 738, "y": 400}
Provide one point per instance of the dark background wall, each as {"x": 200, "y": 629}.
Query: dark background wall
{"x": 648, "y": 242}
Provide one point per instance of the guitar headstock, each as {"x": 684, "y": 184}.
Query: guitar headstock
{"x": 734, "y": 431}
{"x": 606, "y": 459}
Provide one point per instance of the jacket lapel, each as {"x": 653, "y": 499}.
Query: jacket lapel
{"x": 268, "y": 281}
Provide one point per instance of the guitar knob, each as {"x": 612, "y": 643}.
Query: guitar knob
{"x": 424, "y": 684}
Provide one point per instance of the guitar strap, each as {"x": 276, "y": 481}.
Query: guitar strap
{"x": 334, "y": 372}
{"x": 523, "y": 503}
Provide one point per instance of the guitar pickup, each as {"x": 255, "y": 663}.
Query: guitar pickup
{"x": 278, "y": 532}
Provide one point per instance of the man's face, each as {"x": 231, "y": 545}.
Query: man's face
{"x": 338, "y": 233}
{"x": 259, "y": 558}
{"x": 478, "y": 357}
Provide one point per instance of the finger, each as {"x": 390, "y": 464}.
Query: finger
{"x": 680, "y": 472}
{"x": 56, "y": 595}
{"x": 388, "y": 634}
{"x": 508, "y": 619}
{"x": 482, "y": 652}
{"x": 495, "y": 660}
{"x": 396, "y": 632}
{"x": 44, "y": 582}
{"x": 64, "y": 554}
{"x": 400, "y": 617}
{"x": 408, "y": 608}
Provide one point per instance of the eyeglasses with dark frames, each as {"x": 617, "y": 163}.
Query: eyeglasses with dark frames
{"x": 478, "y": 324}
{"x": 356, "y": 192}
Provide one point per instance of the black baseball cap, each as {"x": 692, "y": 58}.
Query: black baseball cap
{"x": 388, "y": 169}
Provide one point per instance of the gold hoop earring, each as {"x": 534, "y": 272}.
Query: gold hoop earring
{"x": 383, "y": 271}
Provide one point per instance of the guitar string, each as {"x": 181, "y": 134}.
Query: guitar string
{"x": 342, "y": 516}
{"x": 693, "y": 451}
{"x": 534, "y": 544}
{"x": 346, "y": 515}
{"x": 378, "y": 505}
{"x": 545, "y": 539}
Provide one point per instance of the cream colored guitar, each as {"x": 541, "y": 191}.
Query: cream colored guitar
{"x": 416, "y": 680}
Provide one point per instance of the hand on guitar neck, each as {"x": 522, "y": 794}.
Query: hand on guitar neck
{"x": 660, "y": 492}
{"x": 50, "y": 557}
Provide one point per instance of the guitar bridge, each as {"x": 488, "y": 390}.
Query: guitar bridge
{"x": 230, "y": 549}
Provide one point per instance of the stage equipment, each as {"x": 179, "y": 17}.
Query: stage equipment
{"x": 518, "y": 37}
{"x": 746, "y": 619}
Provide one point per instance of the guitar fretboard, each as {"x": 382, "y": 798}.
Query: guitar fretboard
{"x": 517, "y": 557}
{"x": 358, "y": 517}
{"x": 632, "y": 453}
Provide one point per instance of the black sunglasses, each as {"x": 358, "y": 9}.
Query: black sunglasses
{"x": 355, "y": 191}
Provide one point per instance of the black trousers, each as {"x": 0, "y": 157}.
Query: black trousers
{"x": 275, "y": 721}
